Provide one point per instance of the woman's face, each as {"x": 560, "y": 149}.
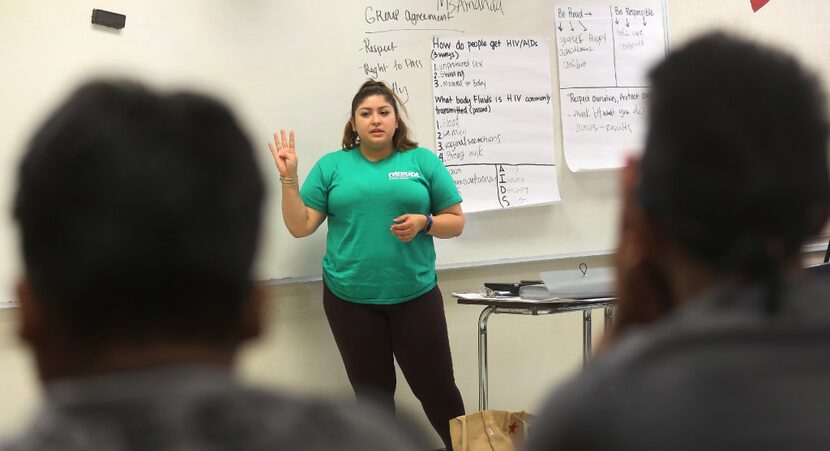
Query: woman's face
{"x": 375, "y": 122}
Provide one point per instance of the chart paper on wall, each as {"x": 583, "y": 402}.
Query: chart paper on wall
{"x": 494, "y": 119}
{"x": 604, "y": 54}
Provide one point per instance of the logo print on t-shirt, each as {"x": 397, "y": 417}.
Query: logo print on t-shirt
{"x": 402, "y": 175}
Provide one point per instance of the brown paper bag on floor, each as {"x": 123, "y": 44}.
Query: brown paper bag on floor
{"x": 490, "y": 430}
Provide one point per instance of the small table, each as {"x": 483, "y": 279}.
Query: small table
{"x": 521, "y": 307}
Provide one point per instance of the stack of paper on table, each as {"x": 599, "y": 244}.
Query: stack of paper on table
{"x": 537, "y": 292}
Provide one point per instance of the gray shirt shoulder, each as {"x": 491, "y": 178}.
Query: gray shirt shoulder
{"x": 185, "y": 409}
{"x": 720, "y": 373}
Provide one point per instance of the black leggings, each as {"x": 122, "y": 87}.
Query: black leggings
{"x": 416, "y": 333}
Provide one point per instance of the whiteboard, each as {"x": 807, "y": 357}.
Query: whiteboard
{"x": 293, "y": 63}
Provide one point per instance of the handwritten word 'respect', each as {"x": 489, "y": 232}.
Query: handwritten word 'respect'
{"x": 378, "y": 48}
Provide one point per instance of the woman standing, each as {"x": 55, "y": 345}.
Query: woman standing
{"x": 385, "y": 200}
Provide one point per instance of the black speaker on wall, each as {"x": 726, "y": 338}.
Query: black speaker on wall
{"x": 108, "y": 19}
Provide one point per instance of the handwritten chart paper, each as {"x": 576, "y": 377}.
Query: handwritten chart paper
{"x": 394, "y": 47}
{"x": 604, "y": 55}
{"x": 494, "y": 119}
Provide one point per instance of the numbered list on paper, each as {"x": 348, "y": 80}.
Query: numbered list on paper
{"x": 604, "y": 54}
{"x": 494, "y": 119}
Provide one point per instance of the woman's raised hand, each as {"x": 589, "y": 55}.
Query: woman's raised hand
{"x": 284, "y": 156}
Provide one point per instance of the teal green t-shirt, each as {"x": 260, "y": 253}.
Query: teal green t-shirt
{"x": 364, "y": 261}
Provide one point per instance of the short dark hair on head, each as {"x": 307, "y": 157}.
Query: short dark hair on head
{"x": 735, "y": 167}
{"x": 139, "y": 214}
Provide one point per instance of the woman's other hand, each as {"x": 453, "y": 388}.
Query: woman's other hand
{"x": 408, "y": 225}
